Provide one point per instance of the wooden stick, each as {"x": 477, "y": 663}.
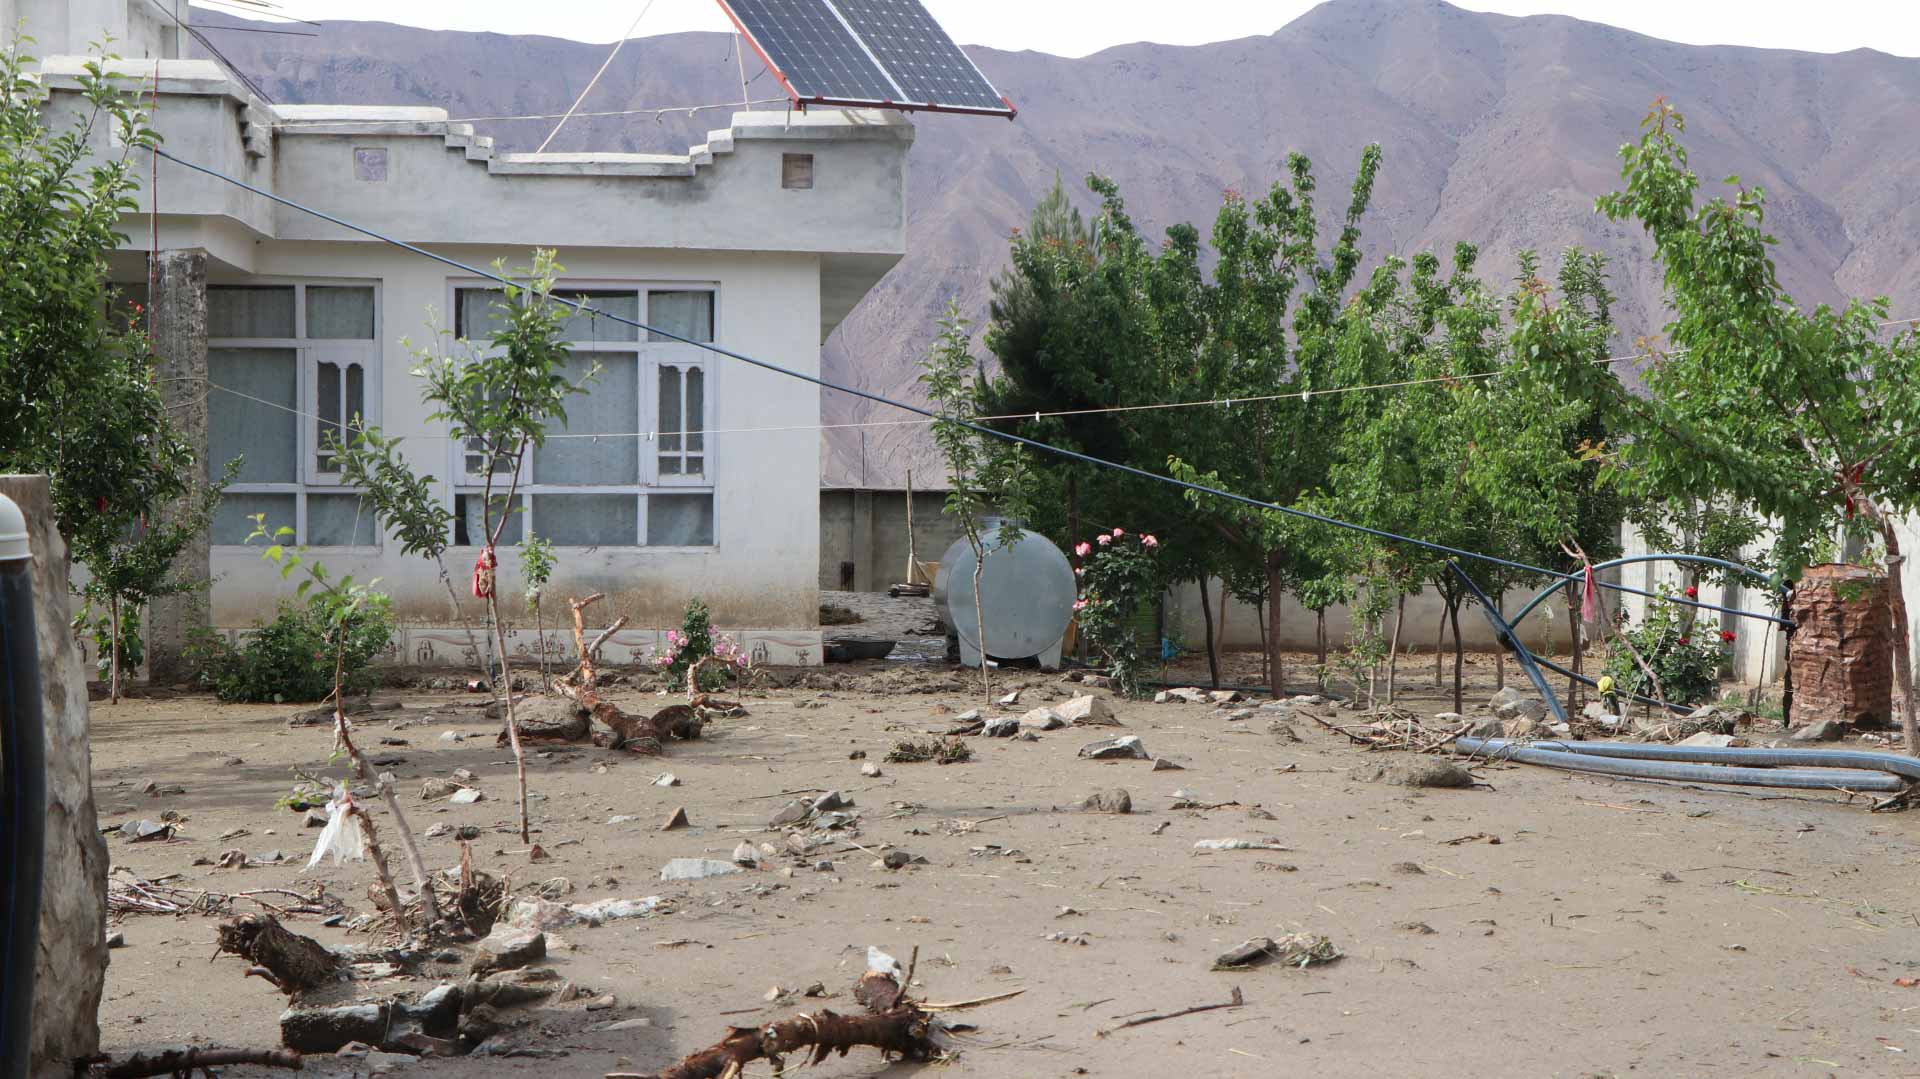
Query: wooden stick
{"x": 1236, "y": 1002}
{"x": 184, "y": 1061}
{"x": 974, "y": 1003}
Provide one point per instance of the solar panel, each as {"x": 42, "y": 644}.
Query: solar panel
{"x": 884, "y": 53}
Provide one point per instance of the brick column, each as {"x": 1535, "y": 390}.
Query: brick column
{"x": 180, "y": 340}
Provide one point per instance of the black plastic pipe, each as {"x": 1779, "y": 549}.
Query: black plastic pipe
{"x": 23, "y": 794}
{"x": 1851, "y": 779}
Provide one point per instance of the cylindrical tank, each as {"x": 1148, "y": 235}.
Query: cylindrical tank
{"x": 1027, "y": 593}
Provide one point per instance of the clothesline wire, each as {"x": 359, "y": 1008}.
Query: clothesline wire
{"x": 977, "y": 428}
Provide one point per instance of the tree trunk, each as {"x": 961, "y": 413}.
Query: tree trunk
{"x": 1786, "y": 669}
{"x": 1500, "y": 653}
{"x": 1459, "y": 651}
{"x": 540, "y": 642}
{"x": 1260, "y": 627}
{"x": 1220, "y": 638}
{"x": 1393, "y": 649}
{"x": 980, "y": 620}
{"x": 505, "y": 682}
{"x": 1575, "y": 635}
{"x": 1206, "y": 618}
{"x": 1902, "y": 652}
{"x": 1440, "y": 643}
{"x": 1276, "y": 666}
{"x": 113, "y": 661}
{"x": 1320, "y": 635}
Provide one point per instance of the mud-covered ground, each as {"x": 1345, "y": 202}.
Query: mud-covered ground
{"x": 1614, "y": 928}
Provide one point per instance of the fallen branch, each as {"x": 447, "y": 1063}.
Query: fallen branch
{"x": 185, "y": 1061}
{"x": 1236, "y": 1002}
{"x": 296, "y": 963}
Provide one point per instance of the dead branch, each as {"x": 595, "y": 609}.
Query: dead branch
{"x": 296, "y": 963}
{"x": 185, "y": 1061}
{"x": 1235, "y": 1002}
{"x": 893, "y": 1025}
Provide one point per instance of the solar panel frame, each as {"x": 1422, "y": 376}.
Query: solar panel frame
{"x": 854, "y": 75}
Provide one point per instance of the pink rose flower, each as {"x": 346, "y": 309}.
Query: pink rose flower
{"x": 1117, "y": 533}
{"x": 1149, "y": 541}
{"x": 1083, "y": 550}
{"x": 1105, "y": 539}
{"x": 1079, "y": 604}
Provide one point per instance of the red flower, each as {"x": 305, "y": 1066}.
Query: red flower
{"x": 100, "y": 503}
{"x": 1686, "y": 640}
{"x": 1726, "y": 635}
{"x": 1692, "y": 592}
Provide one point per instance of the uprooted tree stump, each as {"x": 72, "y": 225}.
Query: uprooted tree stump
{"x": 893, "y": 1025}
{"x": 293, "y": 963}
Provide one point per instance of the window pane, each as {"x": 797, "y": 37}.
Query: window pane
{"x": 680, "y": 520}
{"x": 688, "y": 314}
{"x": 267, "y": 436}
{"x": 327, "y": 431}
{"x": 696, "y": 409}
{"x": 611, "y": 406}
{"x": 669, "y": 411}
{"x": 473, "y": 314}
{"x": 233, "y": 520}
{"x": 249, "y": 311}
{"x": 581, "y": 327}
{"x": 587, "y": 520}
{"x": 340, "y": 312}
{"x": 469, "y": 530}
{"x": 356, "y": 410}
{"x": 340, "y": 521}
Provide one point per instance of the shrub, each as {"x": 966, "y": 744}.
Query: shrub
{"x": 291, "y": 658}
{"x": 1120, "y": 572}
{"x": 1686, "y": 651}
{"x": 693, "y": 642}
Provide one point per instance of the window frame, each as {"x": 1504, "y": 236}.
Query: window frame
{"x": 648, "y": 357}
{"x": 308, "y": 353}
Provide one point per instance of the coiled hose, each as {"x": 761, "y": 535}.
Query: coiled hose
{"x": 1689, "y": 768}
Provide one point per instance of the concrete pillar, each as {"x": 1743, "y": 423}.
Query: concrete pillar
{"x": 71, "y": 966}
{"x": 180, "y": 340}
{"x": 862, "y": 553}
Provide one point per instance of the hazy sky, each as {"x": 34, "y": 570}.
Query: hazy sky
{"x": 1079, "y": 27}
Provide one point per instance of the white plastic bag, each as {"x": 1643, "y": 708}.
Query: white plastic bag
{"x": 344, "y": 837}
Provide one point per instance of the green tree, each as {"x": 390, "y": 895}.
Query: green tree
{"x": 536, "y": 569}
{"x": 498, "y": 400}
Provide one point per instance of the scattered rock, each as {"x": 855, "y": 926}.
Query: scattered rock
{"x": 676, "y": 819}
{"x": 452, "y": 736}
{"x": 509, "y": 949}
{"x": 623, "y": 818}
{"x": 746, "y": 855}
{"x": 1003, "y": 727}
{"x": 314, "y": 819}
{"x": 696, "y": 869}
{"x": 1010, "y": 699}
{"x": 1491, "y": 727}
{"x": 1268, "y": 843}
{"x": 1240, "y": 714}
{"x": 1411, "y": 869}
{"x": 141, "y": 831}
{"x": 1411, "y": 771}
{"x": 900, "y": 859}
{"x": 666, "y": 779}
{"x": 1256, "y": 813}
{"x": 1165, "y": 765}
{"x": 466, "y": 796}
{"x": 1125, "y": 747}
{"x": 433, "y": 790}
{"x": 792, "y": 813}
{"x": 1042, "y": 719}
{"x": 612, "y": 910}
{"x": 540, "y": 915}
{"x": 1223, "y": 696}
{"x": 1087, "y": 711}
{"x": 116, "y": 940}
{"x": 438, "y": 830}
{"x": 831, "y": 801}
{"x": 1283, "y": 731}
{"x": 1827, "y": 730}
{"x": 967, "y": 716}
{"x": 1712, "y": 741}
{"x": 870, "y": 770}
{"x": 1116, "y": 800}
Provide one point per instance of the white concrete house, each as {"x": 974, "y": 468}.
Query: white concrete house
{"x": 680, "y": 474}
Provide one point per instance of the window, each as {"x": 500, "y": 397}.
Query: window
{"x": 293, "y": 367}
{"x": 630, "y": 466}
{"x": 796, "y": 171}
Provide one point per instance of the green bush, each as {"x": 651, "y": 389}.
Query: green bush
{"x": 1681, "y": 646}
{"x": 291, "y": 658}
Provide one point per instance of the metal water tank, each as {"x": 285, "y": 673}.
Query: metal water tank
{"x": 1027, "y": 593}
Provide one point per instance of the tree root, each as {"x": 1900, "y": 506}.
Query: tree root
{"x": 893, "y": 1025}
{"x": 292, "y": 962}
{"x": 185, "y": 1061}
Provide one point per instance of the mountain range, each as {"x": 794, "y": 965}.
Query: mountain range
{"x": 1497, "y": 130}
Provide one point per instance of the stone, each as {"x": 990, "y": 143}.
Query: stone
{"x": 900, "y": 859}
{"x": 539, "y": 914}
{"x": 676, "y": 819}
{"x": 116, "y": 940}
{"x": 746, "y": 855}
{"x": 1042, "y": 719}
{"x": 1523, "y": 728}
{"x": 1710, "y": 741}
{"x": 1490, "y": 727}
{"x": 1187, "y": 695}
{"x": 823, "y": 866}
{"x": 433, "y": 790}
{"x": 314, "y": 819}
{"x": 623, "y": 818}
{"x": 1449, "y": 719}
{"x": 1239, "y": 714}
{"x": 1165, "y": 765}
{"x": 1003, "y": 727}
{"x": 1223, "y": 696}
{"x": 613, "y": 910}
{"x": 1506, "y": 697}
{"x": 381, "y": 1063}
{"x": 509, "y": 949}
{"x": 1826, "y": 730}
{"x": 870, "y": 770}
{"x": 1283, "y": 731}
{"x": 696, "y": 869}
{"x": 831, "y": 801}
{"x": 1414, "y": 771}
{"x": 1531, "y": 708}
{"x": 1010, "y": 699}
{"x": 439, "y": 830}
{"x": 1116, "y": 800}
{"x": 452, "y": 736}
{"x": 466, "y": 796}
{"x": 1087, "y": 711}
{"x": 666, "y": 779}
{"x": 792, "y": 813}
{"x": 137, "y": 831}
{"x": 1126, "y": 747}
